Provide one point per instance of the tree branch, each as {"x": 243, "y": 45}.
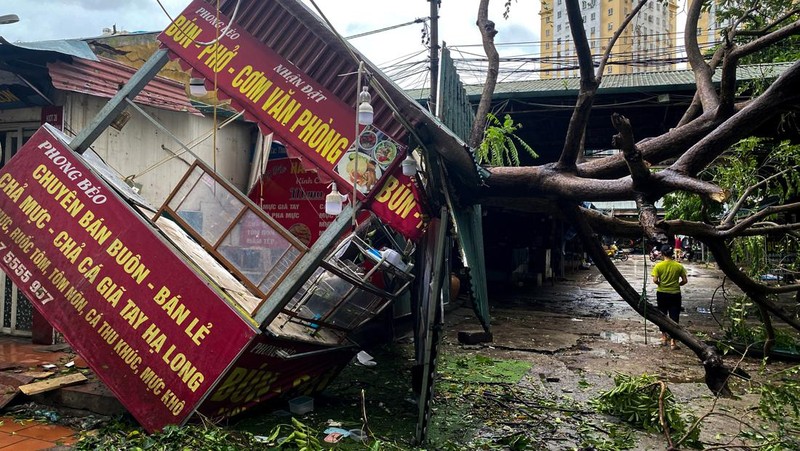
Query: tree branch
{"x": 763, "y": 213}
{"x": 573, "y": 142}
{"x": 672, "y": 180}
{"x": 716, "y": 372}
{"x": 783, "y": 91}
{"x": 728, "y": 220}
{"x": 728, "y": 82}
{"x": 765, "y": 29}
{"x": 669, "y": 145}
{"x": 695, "y": 107}
{"x": 488, "y": 32}
{"x": 639, "y": 169}
{"x": 702, "y": 72}
{"x": 754, "y": 290}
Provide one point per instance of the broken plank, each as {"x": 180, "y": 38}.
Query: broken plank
{"x": 52, "y": 384}
{"x": 38, "y": 374}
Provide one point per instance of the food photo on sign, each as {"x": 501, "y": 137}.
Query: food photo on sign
{"x": 364, "y": 167}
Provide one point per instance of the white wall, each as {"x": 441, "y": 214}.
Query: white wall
{"x": 138, "y": 146}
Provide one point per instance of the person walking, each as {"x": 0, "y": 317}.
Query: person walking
{"x": 669, "y": 276}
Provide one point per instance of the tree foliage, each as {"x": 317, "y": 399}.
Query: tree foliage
{"x": 499, "y": 145}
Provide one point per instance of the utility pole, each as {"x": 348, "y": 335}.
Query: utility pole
{"x": 434, "y": 92}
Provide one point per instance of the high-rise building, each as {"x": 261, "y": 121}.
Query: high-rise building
{"x": 646, "y": 44}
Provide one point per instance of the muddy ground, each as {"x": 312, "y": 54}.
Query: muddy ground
{"x": 561, "y": 344}
{"x": 577, "y": 333}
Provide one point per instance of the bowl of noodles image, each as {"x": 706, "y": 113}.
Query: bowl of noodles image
{"x": 360, "y": 170}
{"x": 384, "y": 153}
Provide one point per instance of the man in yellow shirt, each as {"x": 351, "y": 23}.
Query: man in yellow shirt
{"x": 669, "y": 276}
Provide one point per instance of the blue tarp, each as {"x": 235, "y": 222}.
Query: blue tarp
{"x": 69, "y": 47}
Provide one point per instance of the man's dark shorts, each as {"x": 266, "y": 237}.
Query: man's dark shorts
{"x": 669, "y": 304}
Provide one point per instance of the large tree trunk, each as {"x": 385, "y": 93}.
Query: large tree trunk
{"x": 717, "y": 373}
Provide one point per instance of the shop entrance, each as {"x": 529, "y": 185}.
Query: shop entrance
{"x": 15, "y": 309}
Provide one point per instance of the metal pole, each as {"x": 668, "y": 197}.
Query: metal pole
{"x": 434, "y": 93}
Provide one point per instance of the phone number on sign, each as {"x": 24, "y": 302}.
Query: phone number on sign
{"x": 19, "y": 268}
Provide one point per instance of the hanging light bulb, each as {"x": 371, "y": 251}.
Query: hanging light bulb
{"x": 333, "y": 201}
{"x": 197, "y": 87}
{"x": 409, "y": 166}
{"x": 365, "y": 112}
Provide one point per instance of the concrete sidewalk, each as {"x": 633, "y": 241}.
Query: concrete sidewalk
{"x": 19, "y": 355}
{"x": 28, "y": 435}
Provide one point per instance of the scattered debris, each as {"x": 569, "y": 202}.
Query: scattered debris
{"x": 365, "y": 359}
{"x": 9, "y": 386}
{"x": 52, "y": 384}
{"x": 38, "y": 374}
{"x": 58, "y": 347}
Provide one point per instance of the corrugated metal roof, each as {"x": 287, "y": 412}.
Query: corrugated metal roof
{"x": 652, "y": 81}
{"x": 296, "y": 33}
{"x": 104, "y": 77}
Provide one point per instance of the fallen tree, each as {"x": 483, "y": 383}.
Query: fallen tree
{"x": 714, "y": 122}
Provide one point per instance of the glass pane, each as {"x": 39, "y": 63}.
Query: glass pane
{"x": 361, "y": 305}
{"x": 279, "y": 270}
{"x": 6, "y": 301}
{"x": 254, "y": 248}
{"x": 24, "y": 313}
{"x": 183, "y": 190}
{"x": 210, "y": 207}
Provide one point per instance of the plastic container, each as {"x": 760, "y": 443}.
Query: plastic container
{"x": 358, "y": 435}
{"x": 301, "y": 405}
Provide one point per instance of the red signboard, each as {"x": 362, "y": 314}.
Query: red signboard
{"x": 151, "y": 328}
{"x": 397, "y": 204}
{"x": 272, "y": 367}
{"x": 293, "y": 196}
{"x": 283, "y": 99}
{"x": 293, "y": 105}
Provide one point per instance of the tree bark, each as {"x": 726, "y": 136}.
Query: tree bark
{"x": 488, "y": 32}
{"x": 717, "y": 373}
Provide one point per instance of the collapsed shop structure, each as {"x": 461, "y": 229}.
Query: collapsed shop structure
{"x": 209, "y": 303}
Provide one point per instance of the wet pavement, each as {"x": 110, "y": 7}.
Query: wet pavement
{"x": 29, "y": 435}
{"x": 578, "y": 333}
{"x": 19, "y": 358}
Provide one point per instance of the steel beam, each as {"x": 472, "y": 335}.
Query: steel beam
{"x": 118, "y": 103}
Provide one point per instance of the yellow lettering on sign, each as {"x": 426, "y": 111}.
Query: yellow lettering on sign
{"x": 252, "y": 83}
{"x": 183, "y": 367}
{"x": 7, "y": 96}
{"x": 244, "y": 385}
{"x": 183, "y": 31}
{"x": 11, "y": 187}
{"x": 399, "y": 198}
{"x": 320, "y": 136}
{"x": 131, "y": 263}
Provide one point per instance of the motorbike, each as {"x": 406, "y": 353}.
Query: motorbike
{"x": 616, "y": 254}
{"x": 655, "y": 254}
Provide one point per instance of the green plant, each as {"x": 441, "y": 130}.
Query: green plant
{"x": 647, "y": 403}
{"x": 606, "y": 437}
{"x": 125, "y": 436}
{"x": 499, "y": 145}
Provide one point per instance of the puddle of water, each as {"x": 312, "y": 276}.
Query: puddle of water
{"x": 616, "y": 337}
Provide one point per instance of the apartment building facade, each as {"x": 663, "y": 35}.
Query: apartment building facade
{"x": 647, "y": 44}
